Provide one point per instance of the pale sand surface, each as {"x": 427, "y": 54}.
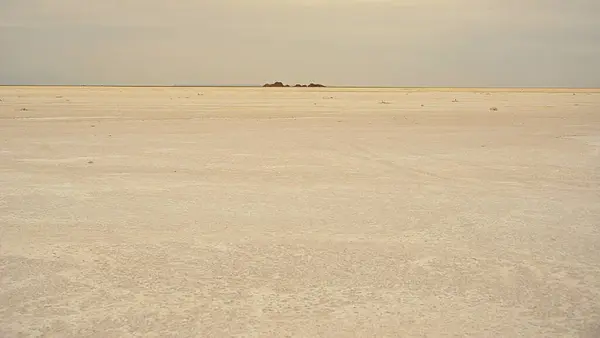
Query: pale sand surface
{"x": 258, "y": 212}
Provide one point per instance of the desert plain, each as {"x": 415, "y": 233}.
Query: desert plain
{"x": 299, "y": 212}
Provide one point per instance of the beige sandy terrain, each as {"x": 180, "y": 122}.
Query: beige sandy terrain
{"x": 199, "y": 212}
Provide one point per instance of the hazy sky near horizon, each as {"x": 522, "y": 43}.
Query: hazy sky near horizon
{"x": 335, "y": 42}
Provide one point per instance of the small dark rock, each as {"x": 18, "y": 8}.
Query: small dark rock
{"x": 274, "y": 84}
{"x": 280, "y": 84}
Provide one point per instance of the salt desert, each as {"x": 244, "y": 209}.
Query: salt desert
{"x": 263, "y": 212}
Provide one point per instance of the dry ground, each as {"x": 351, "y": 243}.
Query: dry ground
{"x": 299, "y": 212}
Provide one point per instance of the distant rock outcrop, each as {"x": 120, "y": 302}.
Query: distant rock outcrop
{"x": 275, "y": 84}
{"x": 279, "y": 84}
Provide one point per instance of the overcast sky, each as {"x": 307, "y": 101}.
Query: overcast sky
{"x": 335, "y": 42}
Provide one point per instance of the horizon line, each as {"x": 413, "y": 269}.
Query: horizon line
{"x": 261, "y": 86}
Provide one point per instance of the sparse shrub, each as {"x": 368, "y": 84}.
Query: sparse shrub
{"x": 493, "y": 109}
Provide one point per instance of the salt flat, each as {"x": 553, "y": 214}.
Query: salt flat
{"x": 217, "y": 212}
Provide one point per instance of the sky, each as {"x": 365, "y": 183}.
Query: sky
{"x": 455, "y": 43}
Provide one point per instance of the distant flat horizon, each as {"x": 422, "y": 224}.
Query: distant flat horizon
{"x": 331, "y": 89}
{"x": 292, "y": 87}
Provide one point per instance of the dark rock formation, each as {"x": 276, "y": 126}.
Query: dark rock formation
{"x": 274, "y": 84}
{"x": 280, "y": 85}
